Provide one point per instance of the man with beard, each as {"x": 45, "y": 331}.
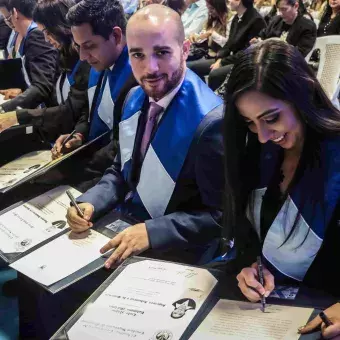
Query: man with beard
{"x": 168, "y": 173}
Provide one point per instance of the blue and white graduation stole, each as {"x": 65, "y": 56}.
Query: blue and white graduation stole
{"x": 102, "y": 118}
{"x": 168, "y": 149}
{"x": 294, "y": 258}
{"x": 32, "y": 27}
{"x": 64, "y": 89}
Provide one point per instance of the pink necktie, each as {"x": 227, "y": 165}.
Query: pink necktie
{"x": 152, "y": 116}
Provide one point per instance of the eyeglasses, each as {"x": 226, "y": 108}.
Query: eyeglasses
{"x": 8, "y": 19}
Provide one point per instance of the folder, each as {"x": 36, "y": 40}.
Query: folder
{"x": 11, "y": 74}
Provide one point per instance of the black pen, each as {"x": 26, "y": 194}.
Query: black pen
{"x": 325, "y": 319}
{"x": 80, "y": 212}
{"x": 261, "y": 279}
{"x": 68, "y": 138}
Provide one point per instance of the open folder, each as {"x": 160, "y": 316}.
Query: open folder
{"x": 33, "y": 165}
{"x": 147, "y": 299}
{"x": 36, "y": 240}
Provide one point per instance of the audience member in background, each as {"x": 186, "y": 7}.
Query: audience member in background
{"x": 317, "y": 8}
{"x": 262, "y": 7}
{"x": 71, "y": 88}
{"x": 130, "y": 6}
{"x": 211, "y": 39}
{"x": 290, "y": 26}
{"x": 14, "y": 41}
{"x": 38, "y": 56}
{"x": 282, "y": 198}
{"x": 246, "y": 24}
{"x": 330, "y": 20}
{"x": 178, "y": 6}
{"x": 194, "y": 17}
{"x": 5, "y": 32}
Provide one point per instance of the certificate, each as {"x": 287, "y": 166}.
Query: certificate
{"x": 237, "y": 320}
{"x": 35, "y": 221}
{"x": 61, "y": 257}
{"x": 147, "y": 300}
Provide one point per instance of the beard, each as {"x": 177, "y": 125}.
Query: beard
{"x": 169, "y": 83}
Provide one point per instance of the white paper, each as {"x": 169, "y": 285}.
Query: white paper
{"x": 22, "y": 167}
{"x": 2, "y": 97}
{"x": 244, "y": 320}
{"x": 148, "y": 300}
{"x": 61, "y": 257}
{"x": 35, "y": 221}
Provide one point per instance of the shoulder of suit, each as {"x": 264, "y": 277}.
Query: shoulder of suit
{"x": 306, "y": 22}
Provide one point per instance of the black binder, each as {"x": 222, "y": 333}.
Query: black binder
{"x": 11, "y": 74}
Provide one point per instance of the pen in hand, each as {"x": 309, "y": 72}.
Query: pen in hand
{"x": 80, "y": 212}
{"x": 261, "y": 279}
{"x": 325, "y": 319}
{"x": 67, "y": 139}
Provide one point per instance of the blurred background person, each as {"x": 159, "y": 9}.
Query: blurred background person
{"x": 330, "y": 20}
{"x": 194, "y": 17}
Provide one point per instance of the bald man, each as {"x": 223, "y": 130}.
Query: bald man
{"x": 169, "y": 172}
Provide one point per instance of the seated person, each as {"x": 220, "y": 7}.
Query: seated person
{"x": 282, "y": 139}
{"x": 169, "y": 176}
{"x": 178, "y": 6}
{"x": 246, "y": 24}
{"x": 72, "y": 85}
{"x": 263, "y": 7}
{"x": 213, "y": 36}
{"x": 291, "y": 26}
{"x": 5, "y": 32}
{"x": 39, "y": 59}
{"x": 194, "y": 17}
{"x": 330, "y": 20}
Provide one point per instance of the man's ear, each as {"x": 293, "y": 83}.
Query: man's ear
{"x": 15, "y": 13}
{"x": 117, "y": 35}
{"x": 186, "y": 48}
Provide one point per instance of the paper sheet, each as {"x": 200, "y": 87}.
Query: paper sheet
{"x": 245, "y": 321}
{"x": 22, "y": 167}
{"x": 148, "y": 300}
{"x": 35, "y": 221}
{"x": 61, "y": 257}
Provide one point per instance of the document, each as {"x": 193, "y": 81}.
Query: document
{"x": 35, "y": 221}
{"x": 245, "y": 321}
{"x": 148, "y": 300}
{"x": 22, "y": 167}
{"x": 61, "y": 257}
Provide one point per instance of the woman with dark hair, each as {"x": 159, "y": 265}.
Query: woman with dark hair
{"x": 212, "y": 38}
{"x": 72, "y": 85}
{"x": 282, "y": 150}
{"x": 291, "y": 26}
{"x": 330, "y": 20}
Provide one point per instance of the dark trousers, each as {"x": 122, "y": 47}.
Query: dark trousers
{"x": 201, "y": 67}
{"x": 41, "y": 313}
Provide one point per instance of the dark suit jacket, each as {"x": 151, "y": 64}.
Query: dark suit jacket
{"x": 41, "y": 62}
{"x": 302, "y": 34}
{"x": 193, "y": 216}
{"x": 5, "y": 32}
{"x": 241, "y": 32}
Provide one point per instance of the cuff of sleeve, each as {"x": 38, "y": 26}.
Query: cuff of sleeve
{"x": 159, "y": 235}
{"x": 23, "y": 117}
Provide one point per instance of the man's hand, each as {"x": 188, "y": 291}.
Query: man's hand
{"x": 131, "y": 241}
{"x": 73, "y": 143}
{"x": 10, "y": 93}
{"x": 7, "y": 120}
{"x": 76, "y": 222}
{"x": 250, "y": 286}
{"x": 216, "y": 65}
{"x": 330, "y": 332}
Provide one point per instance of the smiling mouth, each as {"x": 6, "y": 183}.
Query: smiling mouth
{"x": 280, "y": 139}
{"x": 153, "y": 81}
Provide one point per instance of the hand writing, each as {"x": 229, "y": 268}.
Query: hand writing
{"x": 73, "y": 143}
{"x": 129, "y": 242}
{"x": 7, "y": 120}
{"x": 10, "y": 93}
{"x": 251, "y": 287}
{"x": 76, "y": 222}
{"x": 330, "y": 332}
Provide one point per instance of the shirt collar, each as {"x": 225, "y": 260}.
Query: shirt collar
{"x": 166, "y": 100}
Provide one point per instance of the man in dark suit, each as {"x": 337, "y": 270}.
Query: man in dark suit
{"x": 169, "y": 171}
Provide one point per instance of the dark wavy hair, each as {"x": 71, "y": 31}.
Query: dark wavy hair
{"x": 25, "y": 7}
{"x": 221, "y": 8}
{"x": 101, "y": 15}
{"x": 278, "y": 70}
{"x": 52, "y": 15}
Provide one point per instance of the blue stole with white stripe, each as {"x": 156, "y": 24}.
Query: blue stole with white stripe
{"x": 66, "y": 86}
{"x": 169, "y": 147}
{"x": 102, "y": 119}
{"x": 293, "y": 258}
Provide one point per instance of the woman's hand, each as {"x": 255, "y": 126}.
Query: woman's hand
{"x": 330, "y": 332}
{"x": 216, "y": 65}
{"x": 10, "y": 93}
{"x": 250, "y": 286}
